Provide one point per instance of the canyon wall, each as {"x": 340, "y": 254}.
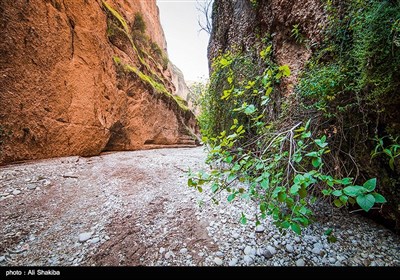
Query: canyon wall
{"x": 344, "y": 59}
{"x": 82, "y": 77}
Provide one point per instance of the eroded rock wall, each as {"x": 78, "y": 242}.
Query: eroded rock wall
{"x": 240, "y": 24}
{"x": 76, "y": 80}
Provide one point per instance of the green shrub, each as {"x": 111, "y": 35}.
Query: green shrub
{"x": 280, "y": 166}
{"x": 138, "y": 23}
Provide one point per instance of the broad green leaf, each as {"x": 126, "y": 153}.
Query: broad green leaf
{"x": 285, "y": 70}
{"x": 345, "y": 181}
{"x": 337, "y": 193}
{"x": 268, "y": 91}
{"x": 230, "y": 80}
{"x": 259, "y": 166}
{"x": 191, "y": 183}
{"x": 229, "y": 159}
{"x": 214, "y": 187}
{"x": 344, "y": 199}
{"x": 263, "y": 207}
{"x": 316, "y": 162}
{"x": 328, "y": 231}
{"x": 282, "y": 197}
{"x": 285, "y": 224}
{"x": 303, "y": 192}
{"x": 338, "y": 203}
{"x": 370, "y": 184}
{"x": 312, "y": 154}
{"x": 303, "y": 210}
{"x": 231, "y": 197}
{"x": 326, "y": 192}
{"x": 365, "y": 201}
{"x": 276, "y": 192}
{"x": 354, "y": 190}
{"x": 200, "y": 189}
{"x": 332, "y": 239}
{"x": 296, "y": 228}
{"x": 306, "y": 135}
{"x": 379, "y": 198}
{"x": 265, "y": 183}
{"x": 250, "y": 109}
{"x": 243, "y": 219}
{"x": 388, "y": 152}
{"x": 295, "y": 189}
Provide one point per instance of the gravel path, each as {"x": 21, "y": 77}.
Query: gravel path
{"x": 134, "y": 208}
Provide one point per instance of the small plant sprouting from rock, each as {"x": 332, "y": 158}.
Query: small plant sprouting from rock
{"x": 139, "y": 23}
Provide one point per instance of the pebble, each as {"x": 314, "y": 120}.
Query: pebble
{"x": 31, "y": 187}
{"x": 233, "y": 262}
{"x": 317, "y": 248}
{"x": 218, "y": 261}
{"x": 271, "y": 249}
{"x": 169, "y": 254}
{"x": 332, "y": 260}
{"x": 2, "y": 258}
{"x": 219, "y": 254}
{"x": 260, "y": 229}
{"x": 267, "y": 254}
{"x": 95, "y": 240}
{"x": 85, "y": 236}
{"x": 300, "y": 262}
{"x": 183, "y": 251}
{"x": 289, "y": 248}
{"x": 249, "y": 251}
{"x": 16, "y": 192}
{"x": 201, "y": 254}
{"x": 248, "y": 260}
{"x": 162, "y": 250}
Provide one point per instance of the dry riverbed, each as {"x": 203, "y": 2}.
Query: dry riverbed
{"x": 134, "y": 208}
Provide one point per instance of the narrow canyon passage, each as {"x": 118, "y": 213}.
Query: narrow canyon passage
{"x": 134, "y": 208}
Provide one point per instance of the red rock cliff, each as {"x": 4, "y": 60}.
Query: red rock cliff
{"x": 81, "y": 77}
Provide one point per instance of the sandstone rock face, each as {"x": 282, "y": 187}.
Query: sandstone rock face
{"x": 82, "y": 77}
{"x": 240, "y": 24}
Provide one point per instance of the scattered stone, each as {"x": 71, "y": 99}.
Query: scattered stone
{"x": 235, "y": 235}
{"x": 271, "y": 249}
{"x": 106, "y": 237}
{"x": 16, "y": 192}
{"x": 183, "y": 251}
{"x": 267, "y": 254}
{"x": 249, "y": 251}
{"x": 300, "y": 262}
{"x": 95, "y": 240}
{"x": 233, "y": 262}
{"x": 332, "y": 260}
{"x": 201, "y": 254}
{"x": 31, "y": 187}
{"x": 162, "y": 250}
{"x": 218, "y": 261}
{"x": 260, "y": 229}
{"x": 2, "y": 259}
{"x": 219, "y": 254}
{"x": 260, "y": 252}
{"x": 169, "y": 254}
{"x": 297, "y": 239}
{"x": 247, "y": 260}
{"x": 289, "y": 248}
{"x": 85, "y": 236}
{"x": 317, "y": 248}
